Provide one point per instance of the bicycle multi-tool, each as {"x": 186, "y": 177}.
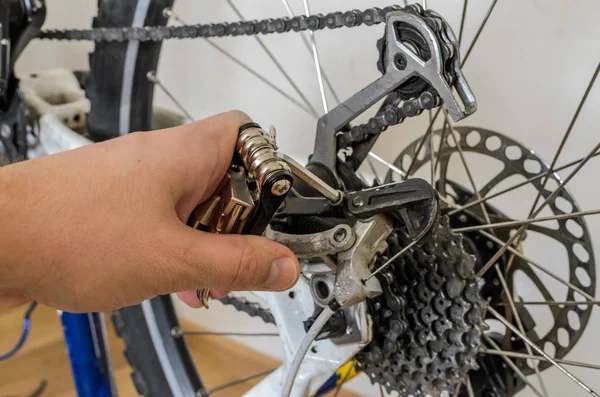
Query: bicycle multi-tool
{"x": 259, "y": 187}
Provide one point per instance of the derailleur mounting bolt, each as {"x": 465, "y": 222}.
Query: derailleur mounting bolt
{"x": 280, "y": 187}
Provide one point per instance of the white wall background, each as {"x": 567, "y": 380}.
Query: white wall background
{"x": 529, "y": 70}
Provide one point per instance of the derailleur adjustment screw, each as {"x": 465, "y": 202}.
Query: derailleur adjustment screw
{"x": 358, "y": 201}
{"x": 280, "y": 187}
{"x": 400, "y": 61}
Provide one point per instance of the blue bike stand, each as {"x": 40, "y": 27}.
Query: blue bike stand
{"x": 85, "y": 335}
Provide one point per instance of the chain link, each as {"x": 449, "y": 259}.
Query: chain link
{"x": 253, "y": 309}
{"x": 333, "y": 20}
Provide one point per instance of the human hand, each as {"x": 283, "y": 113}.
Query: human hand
{"x": 103, "y": 226}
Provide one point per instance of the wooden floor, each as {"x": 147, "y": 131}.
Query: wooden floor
{"x": 44, "y": 357}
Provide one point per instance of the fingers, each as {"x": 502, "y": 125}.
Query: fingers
{"x": 229, "y": 262}
{"x": 197, "y": 156}
{"x": 205, "y": 147}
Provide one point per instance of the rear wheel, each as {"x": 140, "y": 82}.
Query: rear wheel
{"x": 121, "y": 102}
{"x": 121, "y": 99}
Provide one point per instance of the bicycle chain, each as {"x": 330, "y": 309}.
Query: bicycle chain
{"x": 388, "y": 116}
{"x": 333, "y": 20}
{"x": 253, "y": 309}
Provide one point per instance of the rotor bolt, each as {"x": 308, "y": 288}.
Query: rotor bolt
{"x": 280, "y": 187}
{"x": 340, "y": 235}
{"x": 358, "y": 201}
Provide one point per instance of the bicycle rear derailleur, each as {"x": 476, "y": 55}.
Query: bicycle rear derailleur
{"x": 420, "y": 62}
{"x": 254, "y": 191}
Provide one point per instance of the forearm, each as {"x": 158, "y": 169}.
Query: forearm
{"x": 13, "y": 240}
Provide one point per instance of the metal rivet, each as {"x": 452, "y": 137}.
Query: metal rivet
{"x": 358, "y": 201}
{"x": 340, "y": 235}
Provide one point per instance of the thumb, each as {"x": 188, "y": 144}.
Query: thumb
{"x": 231, "y": 262}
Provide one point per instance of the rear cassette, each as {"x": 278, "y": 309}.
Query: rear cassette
{"x": 427, "y": 324}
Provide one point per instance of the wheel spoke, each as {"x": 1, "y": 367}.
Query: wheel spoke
{"x": 239, "y": 381}
{"x": 552, "y": 303}
{"x": 374, "y": 171}
{"x": 309, "y": 48}
{"x": 516, "y": 186}
{"x": 565, "y": 137}
{"x": 536, "y": 265}
{"x": 458, "y": 389}
{"x": 154, "y": 79}
{"x": 499, "y": 177}
{"x": 551, "y": 197}
{"x": 391, "y": 260}
{"x": 470, "y": 387}
{"x": 318, "y": 68}
{"x": 532, "y": 211}
{"x": 431, "y": 154}
{"x": 542, "y": 287}
{"x": 435, "y": 116}
{"x": 389, "y": 165}
{"x": 277, "y": 63}
{"x": 210, "y": 333}
{"x": 440, "y": 146}
{"x": 466, "y": 167}
{"x": 513, "y": 366}
{"x": 525, "y": 221}
{"x": 169, "y": 12}
{"x": 462, "y": 21}
{"x": 511, "y": 302}
{"x": 478, "y": 32}
{"x": 540, "y": 351}
{"x": 499, "y": 352}
{"x": 422, "y": 142}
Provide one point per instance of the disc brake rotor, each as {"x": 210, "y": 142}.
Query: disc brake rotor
{"x": 516, "y": 160}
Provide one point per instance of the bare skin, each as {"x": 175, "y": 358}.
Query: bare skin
{"x": 103, "y": 226}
